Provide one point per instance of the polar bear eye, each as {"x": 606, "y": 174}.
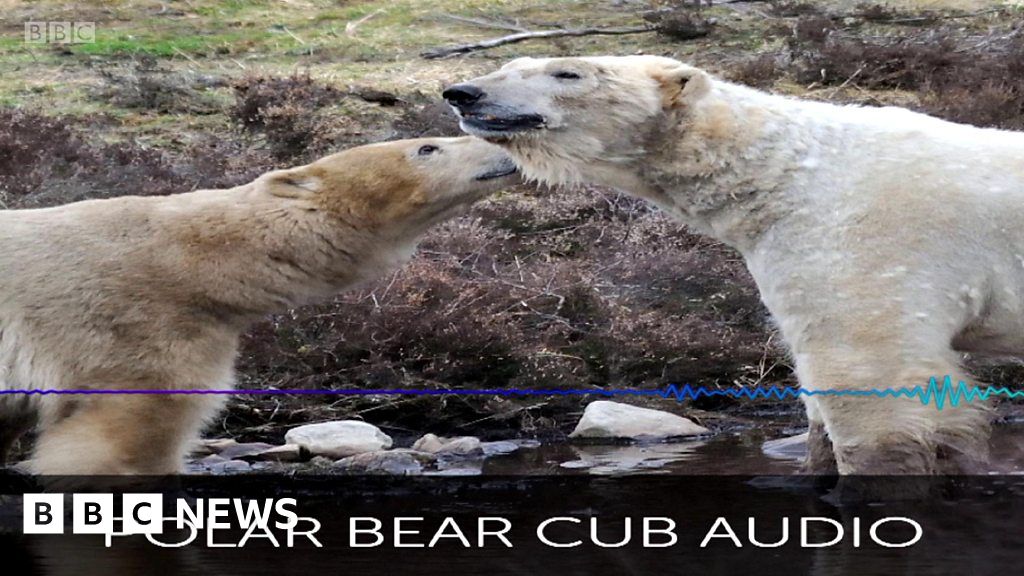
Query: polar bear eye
{"x": 566, "y": 75}
{"x": 427, "y": 150}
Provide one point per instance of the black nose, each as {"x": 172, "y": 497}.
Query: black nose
{"x": 462, "y": 94}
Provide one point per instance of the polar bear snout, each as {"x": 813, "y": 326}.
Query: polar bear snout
{"x": 462, "y": 95}
{"x": 483, "y": 115}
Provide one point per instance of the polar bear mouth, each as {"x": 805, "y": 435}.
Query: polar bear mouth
{"x": 492, "y": 124}
{"x": 506, "y": 168}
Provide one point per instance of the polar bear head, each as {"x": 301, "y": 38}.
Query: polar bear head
{"x": 574, "y": 120}
{"x": 396, "y": 189}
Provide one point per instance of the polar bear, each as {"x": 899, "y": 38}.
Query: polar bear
{"x": 136, "y": 294}
{"x": 884, "y": 242}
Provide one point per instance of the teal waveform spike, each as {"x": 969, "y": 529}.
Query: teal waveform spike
{"x": 939, "y": 395}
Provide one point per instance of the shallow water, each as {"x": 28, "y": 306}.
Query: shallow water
{"x": 737, "y": 453}
{"x": 721, "y": 454}
{"x": 750, "y": 450}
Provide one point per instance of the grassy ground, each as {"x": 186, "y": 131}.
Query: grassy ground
{"x": 533, "y": 289}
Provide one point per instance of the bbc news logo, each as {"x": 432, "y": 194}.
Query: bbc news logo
{"x": 225, "y": 522}
{"x": 60, "y": 32}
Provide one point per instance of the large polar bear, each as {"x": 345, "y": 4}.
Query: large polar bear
{"x": 152, "y": 293}
{"x": 883, "y": 241}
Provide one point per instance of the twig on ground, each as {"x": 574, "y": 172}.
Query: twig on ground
{"x": 493, "y": 24}
{"x": 185, "y": 56}
{"x": 846, "y": 82}
{"x": 507, "y": 413}
{"x": 523, "y": 36}
{"x": 292, "y": 34}
{"x": 351, "y": 27}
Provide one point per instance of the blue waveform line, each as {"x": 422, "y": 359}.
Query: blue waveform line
{"x": 939, "y": 395}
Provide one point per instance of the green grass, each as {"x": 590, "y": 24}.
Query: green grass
{"x": 232, "y": 38}
{"x": 175, "y": 44}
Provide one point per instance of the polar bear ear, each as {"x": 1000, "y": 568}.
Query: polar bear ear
{"x": 294, "y": 183}
{"x": 681, "y": 84}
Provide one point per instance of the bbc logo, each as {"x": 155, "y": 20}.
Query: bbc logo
{"x": 60, "y": 32}
{"x": 93, "y": 514}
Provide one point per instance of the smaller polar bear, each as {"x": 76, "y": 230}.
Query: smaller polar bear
{"x": 152, "y": 293}
{"x": 884, "y": 242}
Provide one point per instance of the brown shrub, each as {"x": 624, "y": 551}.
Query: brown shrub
{"x": 988, "y": 90}
{"x": 992, "y": 104}
{"x": 680, "y": 23}
{"x": 876, "y": 12}
{"x": 52, "y": 160}
{"x": 759, "y": 72}
{"x": 46, "y": 161}
{"x": 905, "y": 63}
{"x": 284, "y": 109}
{"x": 788, "y": 9}
{"x": 979, "y": 83}
{"x": 256, "y": 95}
{"x": 813, "y": 30}
{"x": 426, "y": 117}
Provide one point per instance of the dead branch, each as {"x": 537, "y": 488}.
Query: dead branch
{"x": 522, "y": 36}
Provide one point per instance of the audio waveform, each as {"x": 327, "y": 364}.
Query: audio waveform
{"x": 946, "y": 394}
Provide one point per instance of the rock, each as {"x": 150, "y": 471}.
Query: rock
{"x": 467, "y": 446}
{"x": 577, "y": 464}
{"x": 235, "y": 466}
{"x": 428, "y": 443}
{"x": 339, "y": 439}
{"x": 401, "y": 462}
{"x": 216, "y": 464}
{"x": 208, "y": 446}
{"x": 788, "y": 448}
{"x": 526, "y": 443}
{"x": 498, "y": 448}
{"x": 245, "y": 450}
{"x": 321, "y": 463}
{"x": 460, "y": 471}
{"x": 462, "y": 446}
{"x": 285, "y": 453}
{"x": 604, "y": 419}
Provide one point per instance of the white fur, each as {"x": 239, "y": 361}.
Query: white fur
{"x": 883, "y": 241}
{"x": 152, "y": 293}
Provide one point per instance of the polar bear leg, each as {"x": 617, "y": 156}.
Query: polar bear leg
{"x": 820, "y": 459}
{"x": 136, "y": 434}
{"x": 12, "y": 426}
{"x": 884, "y": 436}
